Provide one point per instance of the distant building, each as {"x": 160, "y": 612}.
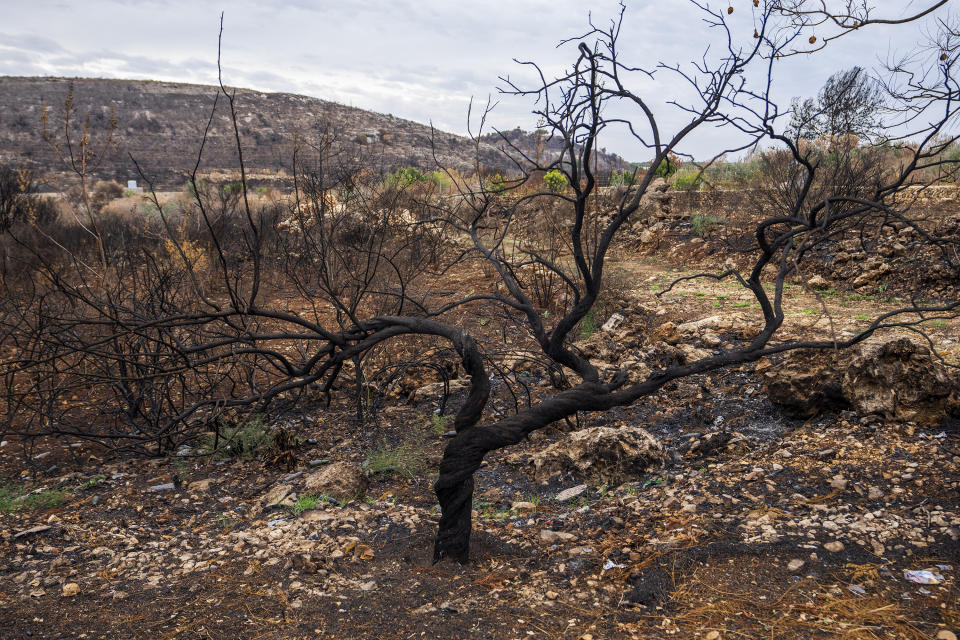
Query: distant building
{"x": 132, "y": 186}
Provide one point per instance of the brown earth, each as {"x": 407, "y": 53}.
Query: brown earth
{"x": 757, "y": 526}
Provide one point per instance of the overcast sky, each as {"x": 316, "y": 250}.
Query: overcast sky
{"x": 420, "y": 60}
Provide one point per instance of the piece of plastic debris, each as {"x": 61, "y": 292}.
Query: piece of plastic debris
{"x": 925, "y": 592}
{"x": 905, "y": 596}
{"x": 945, "y": 567}
{"x": 923, "y": 577}
{"x": 857, "y": 589}
{"x": 610, "y": 564}
{"x": 274, "y": 523}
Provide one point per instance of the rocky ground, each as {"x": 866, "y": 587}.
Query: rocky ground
{"x": 714, "y": 513}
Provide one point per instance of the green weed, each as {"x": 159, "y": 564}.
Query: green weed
{"x": 244, "y": 439}
{"x": 405, "y": 459}
{"x": 440, "y": 424}
{"x": 704, "y": 223}
{"x": 91, "y": 482}
{"x": 14, "y": 499}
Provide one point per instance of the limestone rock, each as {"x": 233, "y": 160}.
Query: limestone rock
{"x": 601, "y": 453}
{"x": 341, "y": 480}
{"x": 667, "y": 332}
{"x": 900, "y": 380}
{"x": 281, "y": 495}
{"x": 804, "y": 383}
{"x": 571, "y": 493}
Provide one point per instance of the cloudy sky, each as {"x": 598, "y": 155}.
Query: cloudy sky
{"x": 420, "y": 60}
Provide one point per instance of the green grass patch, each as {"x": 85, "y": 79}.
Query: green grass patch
{"x": 95, "y": 480}
{"x": 405, "y": 459}
{"x": 243, "y": 439}
{"x": 14, "y": 499}
{"x": 704, "y": 223}
{"x": 589, "y": 323}
{"x": 440, "y": 424}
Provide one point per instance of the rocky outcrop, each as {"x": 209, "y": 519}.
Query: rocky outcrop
{"x": 341, "y": 480}
{"x": 600, "y": 454}
{"x": 804, "y": 384}
{"x": 897, "y": 379}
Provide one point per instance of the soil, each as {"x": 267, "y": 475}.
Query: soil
{"x": 780, "y": 529}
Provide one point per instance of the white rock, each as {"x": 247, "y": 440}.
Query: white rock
{"x": 549, "y": 536}
{"x": 571, "y": 493}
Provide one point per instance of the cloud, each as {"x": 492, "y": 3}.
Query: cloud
{"x": 421, "y": 60}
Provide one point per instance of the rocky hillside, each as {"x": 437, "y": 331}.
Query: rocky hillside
{"x": 161, "y": 124}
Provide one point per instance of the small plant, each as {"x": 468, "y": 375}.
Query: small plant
{"x": 652, "y": 482}
{"x": 496, "y": 184}
{"x": 243, "y": 439}
{"x": 405, "y": 459}
{"x": 440, "y": 424}
{"x": 688, "y": 181}
{"x": 555, "y": 181}
{"x": 589, "y": 324}
{"x": 740, "y": 305}
{"x": 91, "y": 482}
{"x": 939, "y": 323}
{"x": 304, "y": 503}
{"x": 668, "y": 166}
{"x": 622, "y": 178}
{"x": 403, "y": 178}
{"x": 704, "y": 223}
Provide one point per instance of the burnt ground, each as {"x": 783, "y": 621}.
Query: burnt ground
{"x": 786, "y": 529}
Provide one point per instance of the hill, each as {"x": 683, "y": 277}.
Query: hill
{"x": 161, "y": 124}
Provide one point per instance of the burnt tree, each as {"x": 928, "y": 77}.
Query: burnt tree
{"x": 170, "y": 339}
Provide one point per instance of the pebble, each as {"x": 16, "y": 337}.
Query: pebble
{"x": 838, "y": 482}
{"x": 946, "y": 634}
{"x": 368, "y": 586}
{"x": 169, "y": 486}
{"x": 556, "y": 536}
{"x": 795, "y": 565}
{"x": 71, "y": 589}
{"x": 713, "y": 635}
{"x": 874, "y": 493}
{"x": 834, "y": 546}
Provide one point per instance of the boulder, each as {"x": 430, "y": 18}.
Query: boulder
{"x": 897, "y": 379}
{"x": 900, "y": 380}
{"x": 602, "y": 454}
{"x": 804, "y": 383}
{"x": 341, "y": 480}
